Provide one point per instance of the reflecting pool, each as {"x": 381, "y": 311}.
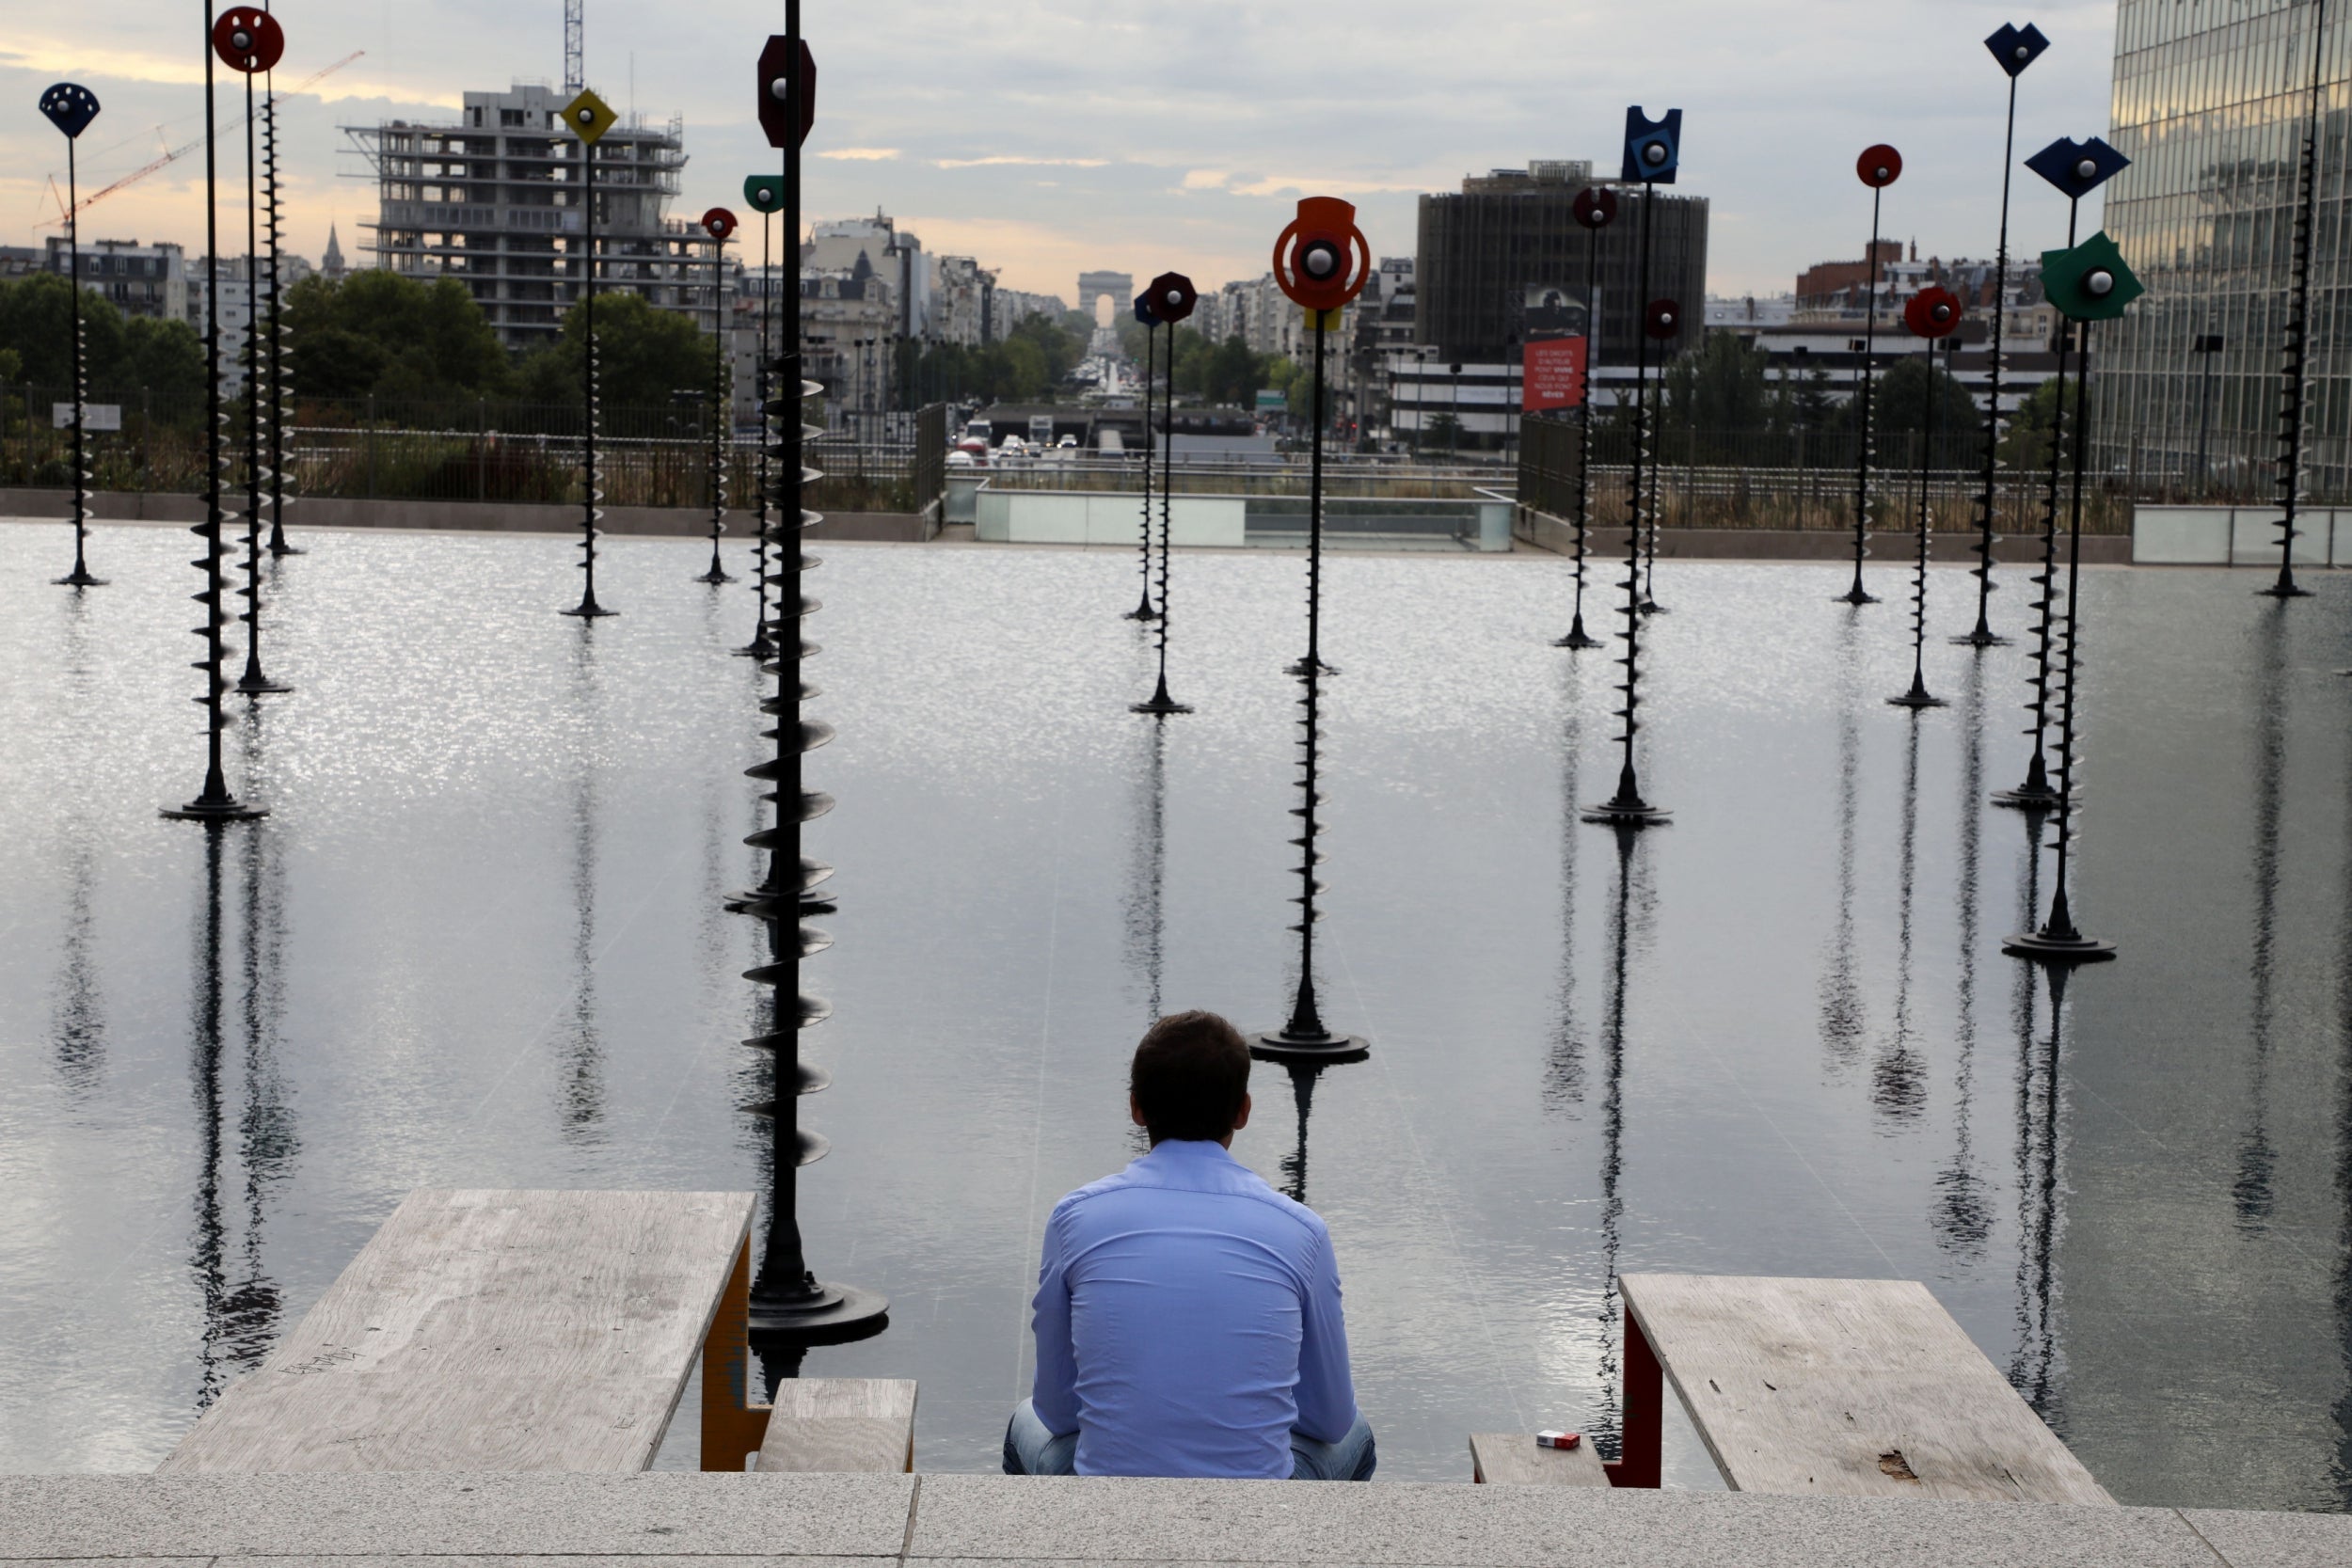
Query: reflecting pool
{"x": 479, "y": 942}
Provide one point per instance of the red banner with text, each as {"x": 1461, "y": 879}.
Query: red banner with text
{"x": 1552, "y": 375}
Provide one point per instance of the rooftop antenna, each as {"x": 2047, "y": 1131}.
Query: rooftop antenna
{"x": 575, "y": 47}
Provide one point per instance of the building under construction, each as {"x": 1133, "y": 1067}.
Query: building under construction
{"x": 493, "y": 199}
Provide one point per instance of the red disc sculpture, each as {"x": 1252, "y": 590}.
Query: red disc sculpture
{"x": 1880, "y": 166}
{"x": 248, "y": 40}
{"x": 1933, "y": 313}
{"x": 1662, "y": 319}
{"x": 1166, "y": 300}
{"x": 1595, "y": 207}
{"x": 1320, "y": 261}
{"x": 718, "y": 224}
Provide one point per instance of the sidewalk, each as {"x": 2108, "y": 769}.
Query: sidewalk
{"x": 388, "y": 1521}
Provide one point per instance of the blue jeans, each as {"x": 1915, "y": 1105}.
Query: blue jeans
{"x": 1032, "y": 1450}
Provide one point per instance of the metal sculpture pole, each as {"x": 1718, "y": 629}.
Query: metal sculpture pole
{"x": 70, "y": 107}
{"x": 2086, "y": 282}
{"x": 1654, "y": 512}
{"x": 1320, "y": 261}
{"x": 1879, "y": 166}
{"x": 2292, "y": 390}
{"x": 281, "y": 362}
{"x": 214, "y": 803}
{"x": 1933, "y": 313}
{"x": 2076, "y": 169}
{"x": 1653, "y": 155}
{"x": 589, "y": 117}
{"x": 1596, "y": 209}
{"x": 2012, "y": 49}
{"x": 1143, "y": 610}
{"x": 1171, "y": 297}
{"x": 263, "y": 52}
{"x": 718, "y": 222}
{"x": 788, "y": 1301}
{"x": 765, "y": 193}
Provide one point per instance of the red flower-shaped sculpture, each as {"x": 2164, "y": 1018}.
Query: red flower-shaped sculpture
{"x": 1322, "y": 259}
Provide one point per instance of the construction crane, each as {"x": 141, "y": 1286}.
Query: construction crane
{"x": 174, "y": 154}
{"x": 575, "y": 47}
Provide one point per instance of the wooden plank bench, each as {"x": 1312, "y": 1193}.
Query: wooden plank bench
{"x": 840, "y": 1423}
{"x": 1512, "y": 1459}
{"x": 486, "y": 1330}
{"x": 1840, "y": 1387}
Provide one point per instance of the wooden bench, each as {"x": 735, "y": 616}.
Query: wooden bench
{"x": 483, "y": 1330}
{"x": 1512, "y": 1459}
{"x": 840, "y": 1423}
{"x": 1841, "y": 1387}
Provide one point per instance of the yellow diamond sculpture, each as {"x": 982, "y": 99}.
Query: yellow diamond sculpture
{"x": 589, "y": 116}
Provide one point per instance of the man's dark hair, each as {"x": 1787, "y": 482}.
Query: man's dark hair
{"x": 1189, "y": 1076}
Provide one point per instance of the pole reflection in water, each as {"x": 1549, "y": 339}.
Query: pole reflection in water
{"x": 1843, "y": 1019}
{"x": 1303, "y": 1076}
{"x": 1898, "y": 1077}
{"x": 1146, "y": 920}
{"x": 2342, "y": 1273}
{"x": 2251, "y": 1192}
{"x": 2034, "y": 1372}
{"x": 581, "y": 1090}
{"x": 1564, "y": 1074}
{"x": 1962, "y": 1216}
{"x": 1608, "y": 1426}
{"x": 77, "y": 1021}
{"x": 266, "y": 1142}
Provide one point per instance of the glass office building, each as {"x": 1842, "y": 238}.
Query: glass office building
{"x": 2212, "y": 99}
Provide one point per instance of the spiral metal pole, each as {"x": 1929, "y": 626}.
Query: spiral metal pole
{"x": 1305, "y": 1038}
{"x": 1143, "y": 610}
{"x": 80, "y": 576}
{"x": 214, "y": 803}
{"x": 787, "y": 1299}
{"x": 1160, "y": 702}
{"x": 253, "y": 683}
{"x": 1918, "y": 696}
{"x": 720, "y": 415}
{"x": 281, "y": 361}
{"x": 760, "y": 647}
{"x": 1627, "y": 808}
{"x": 1982, "y": 635}
{"x": 1657, "y": 473}
{"x": 2035, "y": 794}
{"x": 592, "y": 373}
{"x": 1577, "y": 638}
{"x": 2058, "y": 941}
{"x": 2293, "y": 392}
{"x": 1862, "y": 379}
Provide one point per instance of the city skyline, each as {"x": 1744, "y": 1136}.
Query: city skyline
{"x": 1061, "y": 136}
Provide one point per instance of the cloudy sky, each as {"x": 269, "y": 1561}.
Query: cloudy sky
{"x": 1049, "y": 136}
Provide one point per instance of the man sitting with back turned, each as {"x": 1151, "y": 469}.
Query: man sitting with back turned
{"x": 1187, "y": 1315}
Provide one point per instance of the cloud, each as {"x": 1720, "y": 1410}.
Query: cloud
{"x": 1204, "y": 178}
{"x": 1003, "y": 159}
{"x": 860, "y": 154}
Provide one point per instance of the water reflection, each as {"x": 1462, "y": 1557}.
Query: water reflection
{"x": 77, "y": 1022}
{"x": 1963, "y": 1215}
{"x": 2030, "y": 1367}
{"x": 1843, "y": 1022}
{"x": 266, "y": 1139}
{"x": 204, "y": 1034}
{"x": 1145, "y": 927}
{"x": 2251, "y": 1192}
{"x": 581, "y": 1091}
{"x": 1303, "y": 1076}
{"x": 1564, "y": 1073}
{"x": 2341, "y": 1466}
{"x": 1898, "y": 1075}
{"x": 1608, "y": 1423}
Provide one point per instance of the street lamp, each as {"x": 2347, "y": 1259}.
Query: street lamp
{"x": 2206, "y": 346}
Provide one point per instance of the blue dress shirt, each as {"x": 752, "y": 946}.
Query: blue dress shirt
{"x": 1187, "y": 1319}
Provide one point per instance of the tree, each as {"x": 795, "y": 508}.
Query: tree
{"x": 2026, "y": 444}
{"x": 164, "y": 357}
{"x": 1717, "y": 394}
{"x": 1899, "y": 405}
{"x": 644, "y": 356}
{"x": 395, "y": 337}
{"x": 37, "y": 322}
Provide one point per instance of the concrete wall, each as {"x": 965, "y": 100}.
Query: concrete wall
{"x": 1100, "y": 517}
{"x": 2238, "y": 536}
{"x": 1548, "y": 532}
{"x": 477, "y": 516}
